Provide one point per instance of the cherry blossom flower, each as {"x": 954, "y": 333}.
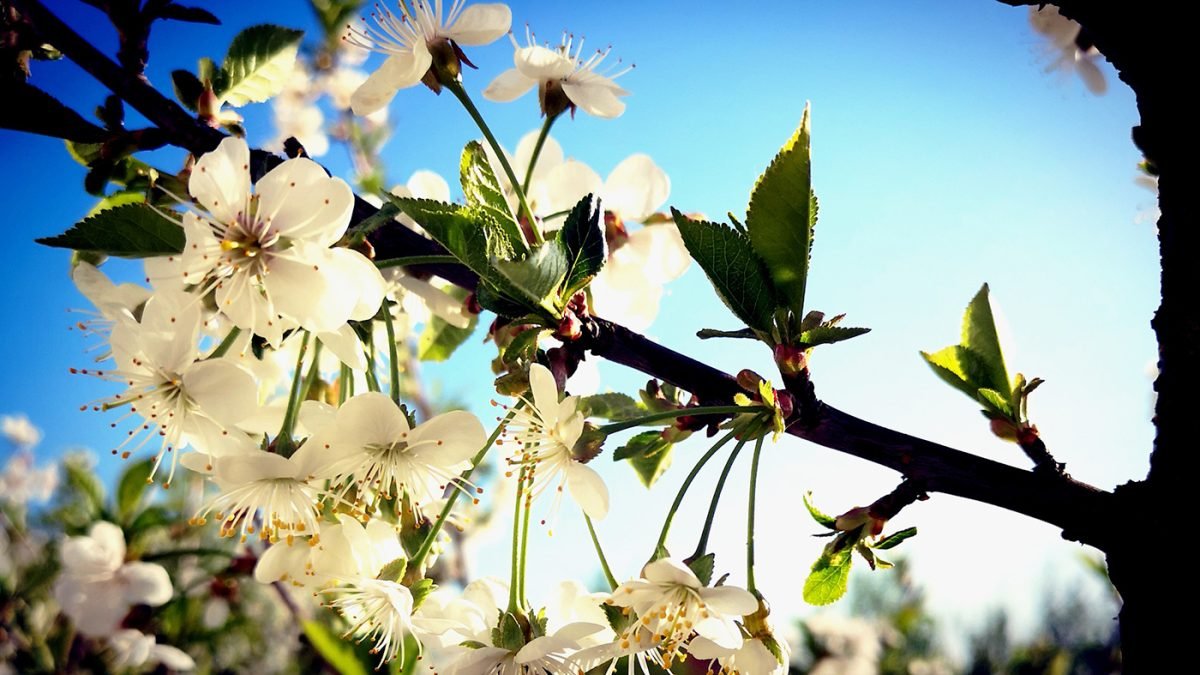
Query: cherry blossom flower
{"x": 672, "y": 605}
{"x": 97, "y": 587}
{"x": 565, "y": 79}
{"x": 752, "y": 658}
{"x": 267, "y": 254}
{"x": 411, "y": 38}
{"x": 21, "y": 482}
{"x": 279, "y": 489}
{"x": 134, "y": 649}
{"x": 546, "y": 429}
{"x": 344, "y": 550}
{"x": 1072, "y": 50}
{"x": 19, "y": 431}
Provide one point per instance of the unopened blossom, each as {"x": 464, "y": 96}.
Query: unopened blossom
{"x": 267, "y": 254}
{"x": 174, "y": 399}
{"x": 97, "y": 586}
{"x": 374, "y": 446}
{"x": 546, "y": 430}
{"x": 1070, "y": 47}
{"x": 672, "y": 605}
{"x": 566, "y": 78}
{"x": 413, "y": 37}
{"x": 133, "y": 649}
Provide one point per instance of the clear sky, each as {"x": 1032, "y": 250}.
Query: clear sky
{"x": 944, "y": 156}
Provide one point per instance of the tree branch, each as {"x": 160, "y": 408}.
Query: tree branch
{"x": 1077, "y": 508}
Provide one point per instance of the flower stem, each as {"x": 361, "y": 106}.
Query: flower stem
{"x": 427, "y": 544}
{"x": 674, "y": 414}
{"x": 416, "y": 260}
{"x": 608, "y": 575}
{"x": 750, "y": 517}
{"x": 393, "y": 358}
{"x": 345, "y": 384}
{"x": 687, "y": 482}
{"x": 226, "y": 343}
{"x": 314, "y": 371}
{"x": 513, "y": 577}
{"x": 460, "y": 93}
{"x": 525, "y": 536}
{"x": 283, "y": 441}
{"x": 702, "y": 546}
{"x": 537, "y": 151}
{"x": 372, "y": 379}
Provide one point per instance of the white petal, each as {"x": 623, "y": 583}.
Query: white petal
{"x": 426, "y": 184}
{"x": 299, "y": 289}
{"x": 454, "y": 437}
{"x": 564, "y": 186}
{"x": 703, "y": 649}
{"x": 220, "y": 180}
{"x": 670, "y": 571}
{"x": 724, "y": 632}
{"x": 730, "y": 600}
{"x": 545, "y": 393}
{"x": 480, "y": 24}
{"x": 300, "y": 201}
{"x": 588, "y": 489}
{"x": 172, "y": 657}
{"x": 597, "y": 100}
{"x": 398, "y": 72}
{"x": 344, "y": 343}
{"x": 224, "y": 390}
{"x": 540, "y": 63}
{"x": 1091, "y": 74}
{"x": 145, "y": 583}
{"x": 371, "y": 419}
{"x": 239, "y": 470}
{"x": 550, "y": 156}
{"x": 636, "y": 188}
{"x": 508, "y": 86}
{"x": 282, "y": 561}
{"x": 662, "y": 250}
{"x": 108, "y": 543}
{"x": 355, "y": 279}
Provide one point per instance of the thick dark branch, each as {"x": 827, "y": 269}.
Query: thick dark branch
{"x": 1073, "y": 506}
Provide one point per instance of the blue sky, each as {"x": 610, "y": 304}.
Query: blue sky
{"x": 944, "y": 157}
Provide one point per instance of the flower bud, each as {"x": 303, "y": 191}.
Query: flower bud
{"x": 791, "y": 360}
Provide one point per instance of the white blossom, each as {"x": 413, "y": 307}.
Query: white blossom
{"x": 136, "y": 650}
{"x": 1068, "y": 51}
{"x": 564, "y": 67}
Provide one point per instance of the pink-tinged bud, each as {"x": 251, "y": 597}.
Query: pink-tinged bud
{"x": 785, "y": 402}
{"x": 749, "y": 380}
{"x": 860, "y": 516}
{"x": 208, "y": 106}
{"x": 570, "y": 327}
{"x": 1027, "y": 435}
{"x": 1005, "y": 429}
{"x": 791, "y": 360}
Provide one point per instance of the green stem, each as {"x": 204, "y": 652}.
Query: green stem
{"x": 460, "y": 93}
{"x": 416, "y": 260}
{"x": 557, "y": 214}
{"x": 608, "y": 575}
{"x": 372, "y": 379}
{"x": 426, "y": 545}
{"x": 314, "y": 372}
{"x": 513, "y": 577}
{"x": 750, "y": 518}
{"x": 537, "y": 151}
{"x": 687, "y": 482}
{"x": 283, "y": 441}
{"x": 226, "y": 343}
{"x": 345, "y": 383}
{"x": 702, "y": 546}
{"x": 674, "y": 414}
{"x": 525, "y": 539}
{"x": 393, "y": 358}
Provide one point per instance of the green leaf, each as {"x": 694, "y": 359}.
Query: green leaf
{"x": 583, "y": 242}
{"x": 394, "y": 570}
{"x": 649, "y": 455}
{"x": 466, "y": 232}
{"x": 892, "y": 540}
{"x": 611, "y": 406}
{"x": 483, "y": 190}
{"x": 116, "y": 199}
{"x": 538, "y": 276}
{"x": 258, "y": 64}
{"x": 781, "y": 216}
{"x": 979, "y": 335}
{"x": 131, "y": 486}
{"x": 995, "y": 401}
{"x": 129, "y": 231}
{"x": 508, "y": 634}
{"x": 866, "y": 553}
{"x": 27, "y": 108}
{"x": 818, "y": 515}
{"x": 338, "y": 653}
{"x": 822, "y": 335}
{"x": 618, "y": 620}
{"x": 187, "y": 14}
{"x": 960, "y": 367}
{"x": 826, "y": 583}
{"x": 733, "y": 267}
{"x": 439, "y": 338}
{"x": 703, "y": 567}
{"x": 188, "y": 88}
{"x": 522, "y": 347}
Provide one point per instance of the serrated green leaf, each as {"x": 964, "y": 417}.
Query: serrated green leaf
{"x": 826, "y": 583}
{"x": 892, "y": 540}
{"x": 508, "y": 634}
{"x": 258, "y": 64}
{"x": 781, "y": 216}
{"x": 822, "y": 335}
{"x": 959, "y": 367}
{"x": 538, "y": 276}
{"x": 737, "y": 274}
{"x": 439, "y": 338}
{"x": 523, "y": 346}
{"x": 611, "y": 406}
{"x": 494, "y": 300}
{"x": 482, "y": 189}
{"x": 618, "y": 620}
{"x": 995, "y": 401}
{"x": 583, "y": 242}
{"x": 394, "y": 570}
{"x": 646, "y": 443}
{"x": 131, "y": 487}
{"x": 867, "y": 554}
{"x": 702, "y": 567}
{"x": 817, "y": 514}
{"x": 129, "y": 231}
{"x": 648, "y": 454}
{"x": 466, "y": 232}
{"x": 980, "y": 336}
{"x": 339, "y": 654}
{"x": 117, "y": 199}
